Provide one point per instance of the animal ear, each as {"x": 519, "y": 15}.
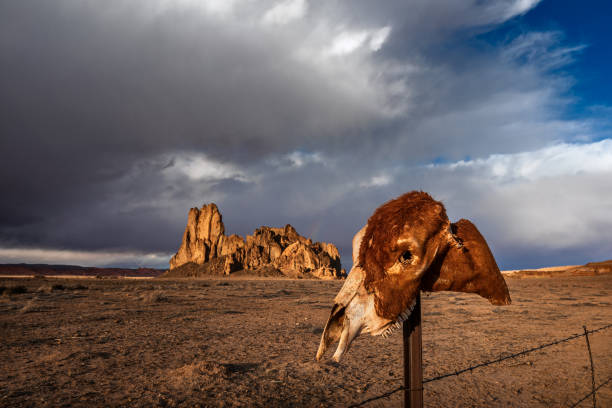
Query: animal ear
{"x": 357, "y": 244}
{"x": 468, "y": 266}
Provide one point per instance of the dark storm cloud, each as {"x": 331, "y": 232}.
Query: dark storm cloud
{"x": 118, "y": 116}
{"x": 91, "y": 89}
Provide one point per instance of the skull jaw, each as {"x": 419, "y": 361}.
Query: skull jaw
{"x": 354, "y": 313}
{"x": 344, "y": 329}
{"x": 359, "y": 317}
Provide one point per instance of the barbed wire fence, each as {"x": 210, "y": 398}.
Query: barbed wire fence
{"x": 470, "y": 369}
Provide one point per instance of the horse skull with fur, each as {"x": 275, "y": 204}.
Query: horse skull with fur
{"x": 408, "y": 245}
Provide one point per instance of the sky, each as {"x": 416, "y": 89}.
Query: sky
{"x": 118, "y": 116}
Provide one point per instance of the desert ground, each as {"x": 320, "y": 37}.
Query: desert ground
{"x": 251, "y": 342}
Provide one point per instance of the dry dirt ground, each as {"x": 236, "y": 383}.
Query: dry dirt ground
{"x": 240, "y": 342}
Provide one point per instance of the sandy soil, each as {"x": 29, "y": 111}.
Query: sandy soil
{"x": 239, "y": 342}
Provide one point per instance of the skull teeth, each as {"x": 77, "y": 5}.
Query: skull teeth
{"x": 398, "y": 323}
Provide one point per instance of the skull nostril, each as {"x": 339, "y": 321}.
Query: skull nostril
{"x": 405, "y": 257}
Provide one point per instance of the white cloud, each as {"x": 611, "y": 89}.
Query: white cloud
{"x": 199, "y": 167}
{"x": 555, "y": 161}
{"x": 518, "y": 7}
{"x": 541, "y": 50}
{"x": 377, "y": 181}
{"x": 298, "y": 159}
{"x": 553, "y": 213}
{"x": 346, "y": 42}
{"x": 83, "y": 258}
{"x": 495, "y": 12}
{"x": 349, "y": 41}
{"x": 378, "y": 38}
{"x": 285, "y": 12}
{"x": 550, "y": 199}
{"x": 159, "y": 8}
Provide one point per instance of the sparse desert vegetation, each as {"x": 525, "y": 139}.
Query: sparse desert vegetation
{"x": 251, "y": 342}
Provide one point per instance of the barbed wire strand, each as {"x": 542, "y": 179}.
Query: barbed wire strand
{"x": 486, "y": 363}
{"x": 591, "y": 393}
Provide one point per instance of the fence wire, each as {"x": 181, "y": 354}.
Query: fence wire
{"x": 590, "y": 393}
{"x": 490, "y": 362}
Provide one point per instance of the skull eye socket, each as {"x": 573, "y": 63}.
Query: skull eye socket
{"x": 405, "y": 257}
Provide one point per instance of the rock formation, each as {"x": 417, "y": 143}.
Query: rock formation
{"x": 203, "y": 237}
{"x": 269, "y": 251}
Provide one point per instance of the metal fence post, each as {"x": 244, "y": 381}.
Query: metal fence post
{"x": 586, "y": 335}
{"x": 413, "y": 358}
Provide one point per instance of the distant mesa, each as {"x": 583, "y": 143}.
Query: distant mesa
{"x": 282, "y": 252}
{"x": 24, "y": 269}
{"x": 589, "y": 269}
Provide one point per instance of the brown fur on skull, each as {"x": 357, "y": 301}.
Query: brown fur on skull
{"x": 408, "y": 245}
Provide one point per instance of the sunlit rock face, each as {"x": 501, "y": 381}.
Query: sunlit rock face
{"x": 408, "y": 245}
{"x": 280, "y": 249}
{"x": 203, "y": 237}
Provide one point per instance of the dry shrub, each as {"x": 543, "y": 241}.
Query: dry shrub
{"x": 154, "y": 297}
{"x": 197, "y": 376}
{"x": 50, "y": 357}
{"x": 30, "y": 307}
{"x": 58, "y": 287}
{"x": 44, "y": 289}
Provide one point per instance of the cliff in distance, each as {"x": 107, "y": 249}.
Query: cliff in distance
{"x": 206, "y": 250}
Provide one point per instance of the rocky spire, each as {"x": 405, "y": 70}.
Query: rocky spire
{"x": 203, "y": 236}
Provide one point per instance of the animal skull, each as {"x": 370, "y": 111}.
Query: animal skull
{"x": 408, "y": 245}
